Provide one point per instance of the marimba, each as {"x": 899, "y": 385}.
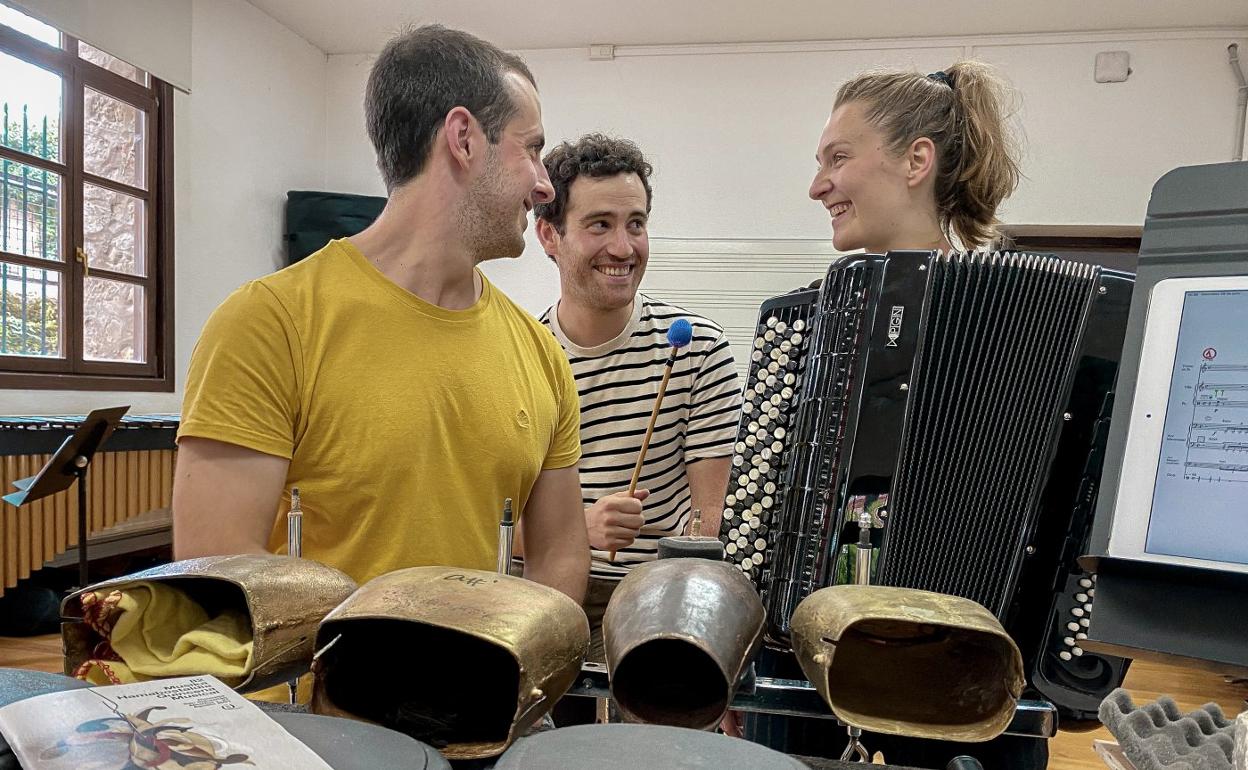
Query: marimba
{"x": 131, "y": 476}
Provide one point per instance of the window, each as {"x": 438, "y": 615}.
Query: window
{"x": 86, "y": 219}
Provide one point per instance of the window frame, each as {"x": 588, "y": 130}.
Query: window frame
{"x": 73, "y": 371}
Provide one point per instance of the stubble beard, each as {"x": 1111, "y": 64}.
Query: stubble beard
{"x": 487, "y": 219}
{"x": 602, "y": 299}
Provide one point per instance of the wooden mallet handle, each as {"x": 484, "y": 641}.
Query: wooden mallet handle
{"x": 645, "y": 443}
{"x": 679, "y": 334}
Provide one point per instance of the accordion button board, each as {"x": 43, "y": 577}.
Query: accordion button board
{"x": 777, "y": 365}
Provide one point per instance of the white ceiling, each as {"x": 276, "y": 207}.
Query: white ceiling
{"x": 362, "y": 26}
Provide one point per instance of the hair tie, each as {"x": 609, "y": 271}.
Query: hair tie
{"x": 942, "y": 77}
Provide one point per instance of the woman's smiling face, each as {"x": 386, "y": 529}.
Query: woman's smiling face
{"x": 860, "y": 181}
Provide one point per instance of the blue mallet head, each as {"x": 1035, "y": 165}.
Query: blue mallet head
{"x": 680, "y": 333}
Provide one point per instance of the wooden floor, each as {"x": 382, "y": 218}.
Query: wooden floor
{"x": 1069, "y": 751}
{"x": 38, "y": 653}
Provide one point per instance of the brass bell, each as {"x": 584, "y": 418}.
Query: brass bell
{"x": 678, "y": 635}
{"x": 462, "y": 659}
{"x": 907, "y": 662}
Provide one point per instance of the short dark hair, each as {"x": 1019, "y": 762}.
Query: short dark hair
{"x": 418, "y": 78}
{"x": 593, "y": 155}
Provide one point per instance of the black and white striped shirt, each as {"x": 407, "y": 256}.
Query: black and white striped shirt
{"x": 617, "y": 382}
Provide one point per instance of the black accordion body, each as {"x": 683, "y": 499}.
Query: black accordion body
{"x": 959, "y": 403}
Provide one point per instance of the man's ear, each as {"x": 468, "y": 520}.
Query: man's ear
{"x": 462, "y": 136}
{"x": 921, "y": 160}
{"x": 548, "y": 236}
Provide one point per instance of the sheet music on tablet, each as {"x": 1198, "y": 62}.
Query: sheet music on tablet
{"x": 1198, "y": 507}
{"x": 163, "y": 723}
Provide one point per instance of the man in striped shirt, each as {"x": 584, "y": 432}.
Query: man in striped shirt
{"x": 594, "y": 229}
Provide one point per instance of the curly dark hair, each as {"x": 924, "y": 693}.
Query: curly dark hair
{"x": 593, "y": 155}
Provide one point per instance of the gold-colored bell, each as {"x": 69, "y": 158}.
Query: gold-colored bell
{"x": 907, "y": 662}
{"x": 462, "y": 659}
{"x": 678, "y": 635}
{"x": 283, "y": 597}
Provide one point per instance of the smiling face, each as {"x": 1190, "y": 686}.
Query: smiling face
{"x": 604, "y": 246}
{"x": 511, "y": 181}
{"x": 863, "y": 185}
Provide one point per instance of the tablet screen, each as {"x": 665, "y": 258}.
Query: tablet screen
{"x": 1200, "y": 493}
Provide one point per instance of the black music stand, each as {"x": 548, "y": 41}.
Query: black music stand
{"x": 70, "y": 463}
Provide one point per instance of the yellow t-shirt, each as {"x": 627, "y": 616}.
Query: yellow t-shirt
{"x": 406, "y": 424}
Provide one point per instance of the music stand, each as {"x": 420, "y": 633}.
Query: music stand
{"x": 69, "y": 464}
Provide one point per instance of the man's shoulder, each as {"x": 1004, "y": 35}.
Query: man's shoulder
{"x": 544, "y": 317}
{"x": 317, "y": 269}
{"x": 537, "y": 331}
{"x": 509, "y": 308}
{"x": 295, "y": 289}
{"x": 709, "y": 342}
{"x": 660, "y": 314}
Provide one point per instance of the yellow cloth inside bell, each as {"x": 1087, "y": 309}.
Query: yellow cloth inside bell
{"x": 158, "y": 631}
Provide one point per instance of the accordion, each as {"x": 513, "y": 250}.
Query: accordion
{"x": 957, "y": 402}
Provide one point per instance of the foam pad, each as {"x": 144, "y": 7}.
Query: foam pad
{"x": 685, "y": 547}
{"x": 1158, "y": 736}
{"x": 1241, "y": 742}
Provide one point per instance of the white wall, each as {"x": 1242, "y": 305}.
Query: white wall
{"x": 253, "y": 128}
{"x": 1095, "y": 150}
{"x": 731, "y": 129}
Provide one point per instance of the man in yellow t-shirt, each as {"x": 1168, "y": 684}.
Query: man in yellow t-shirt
{"x": 384, "y": 376}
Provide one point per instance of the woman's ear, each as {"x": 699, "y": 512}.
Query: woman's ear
{"x": 921, "y": 161}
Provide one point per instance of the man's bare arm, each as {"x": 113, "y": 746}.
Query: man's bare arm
{"x": 708, "y": 483}
{"x": 225, "y": 498}
{"x": 554, "y": 541}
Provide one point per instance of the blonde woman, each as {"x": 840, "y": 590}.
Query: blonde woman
{"x": 911, "y": 161}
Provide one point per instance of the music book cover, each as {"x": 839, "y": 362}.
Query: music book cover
{"x": 165, "y": 724}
